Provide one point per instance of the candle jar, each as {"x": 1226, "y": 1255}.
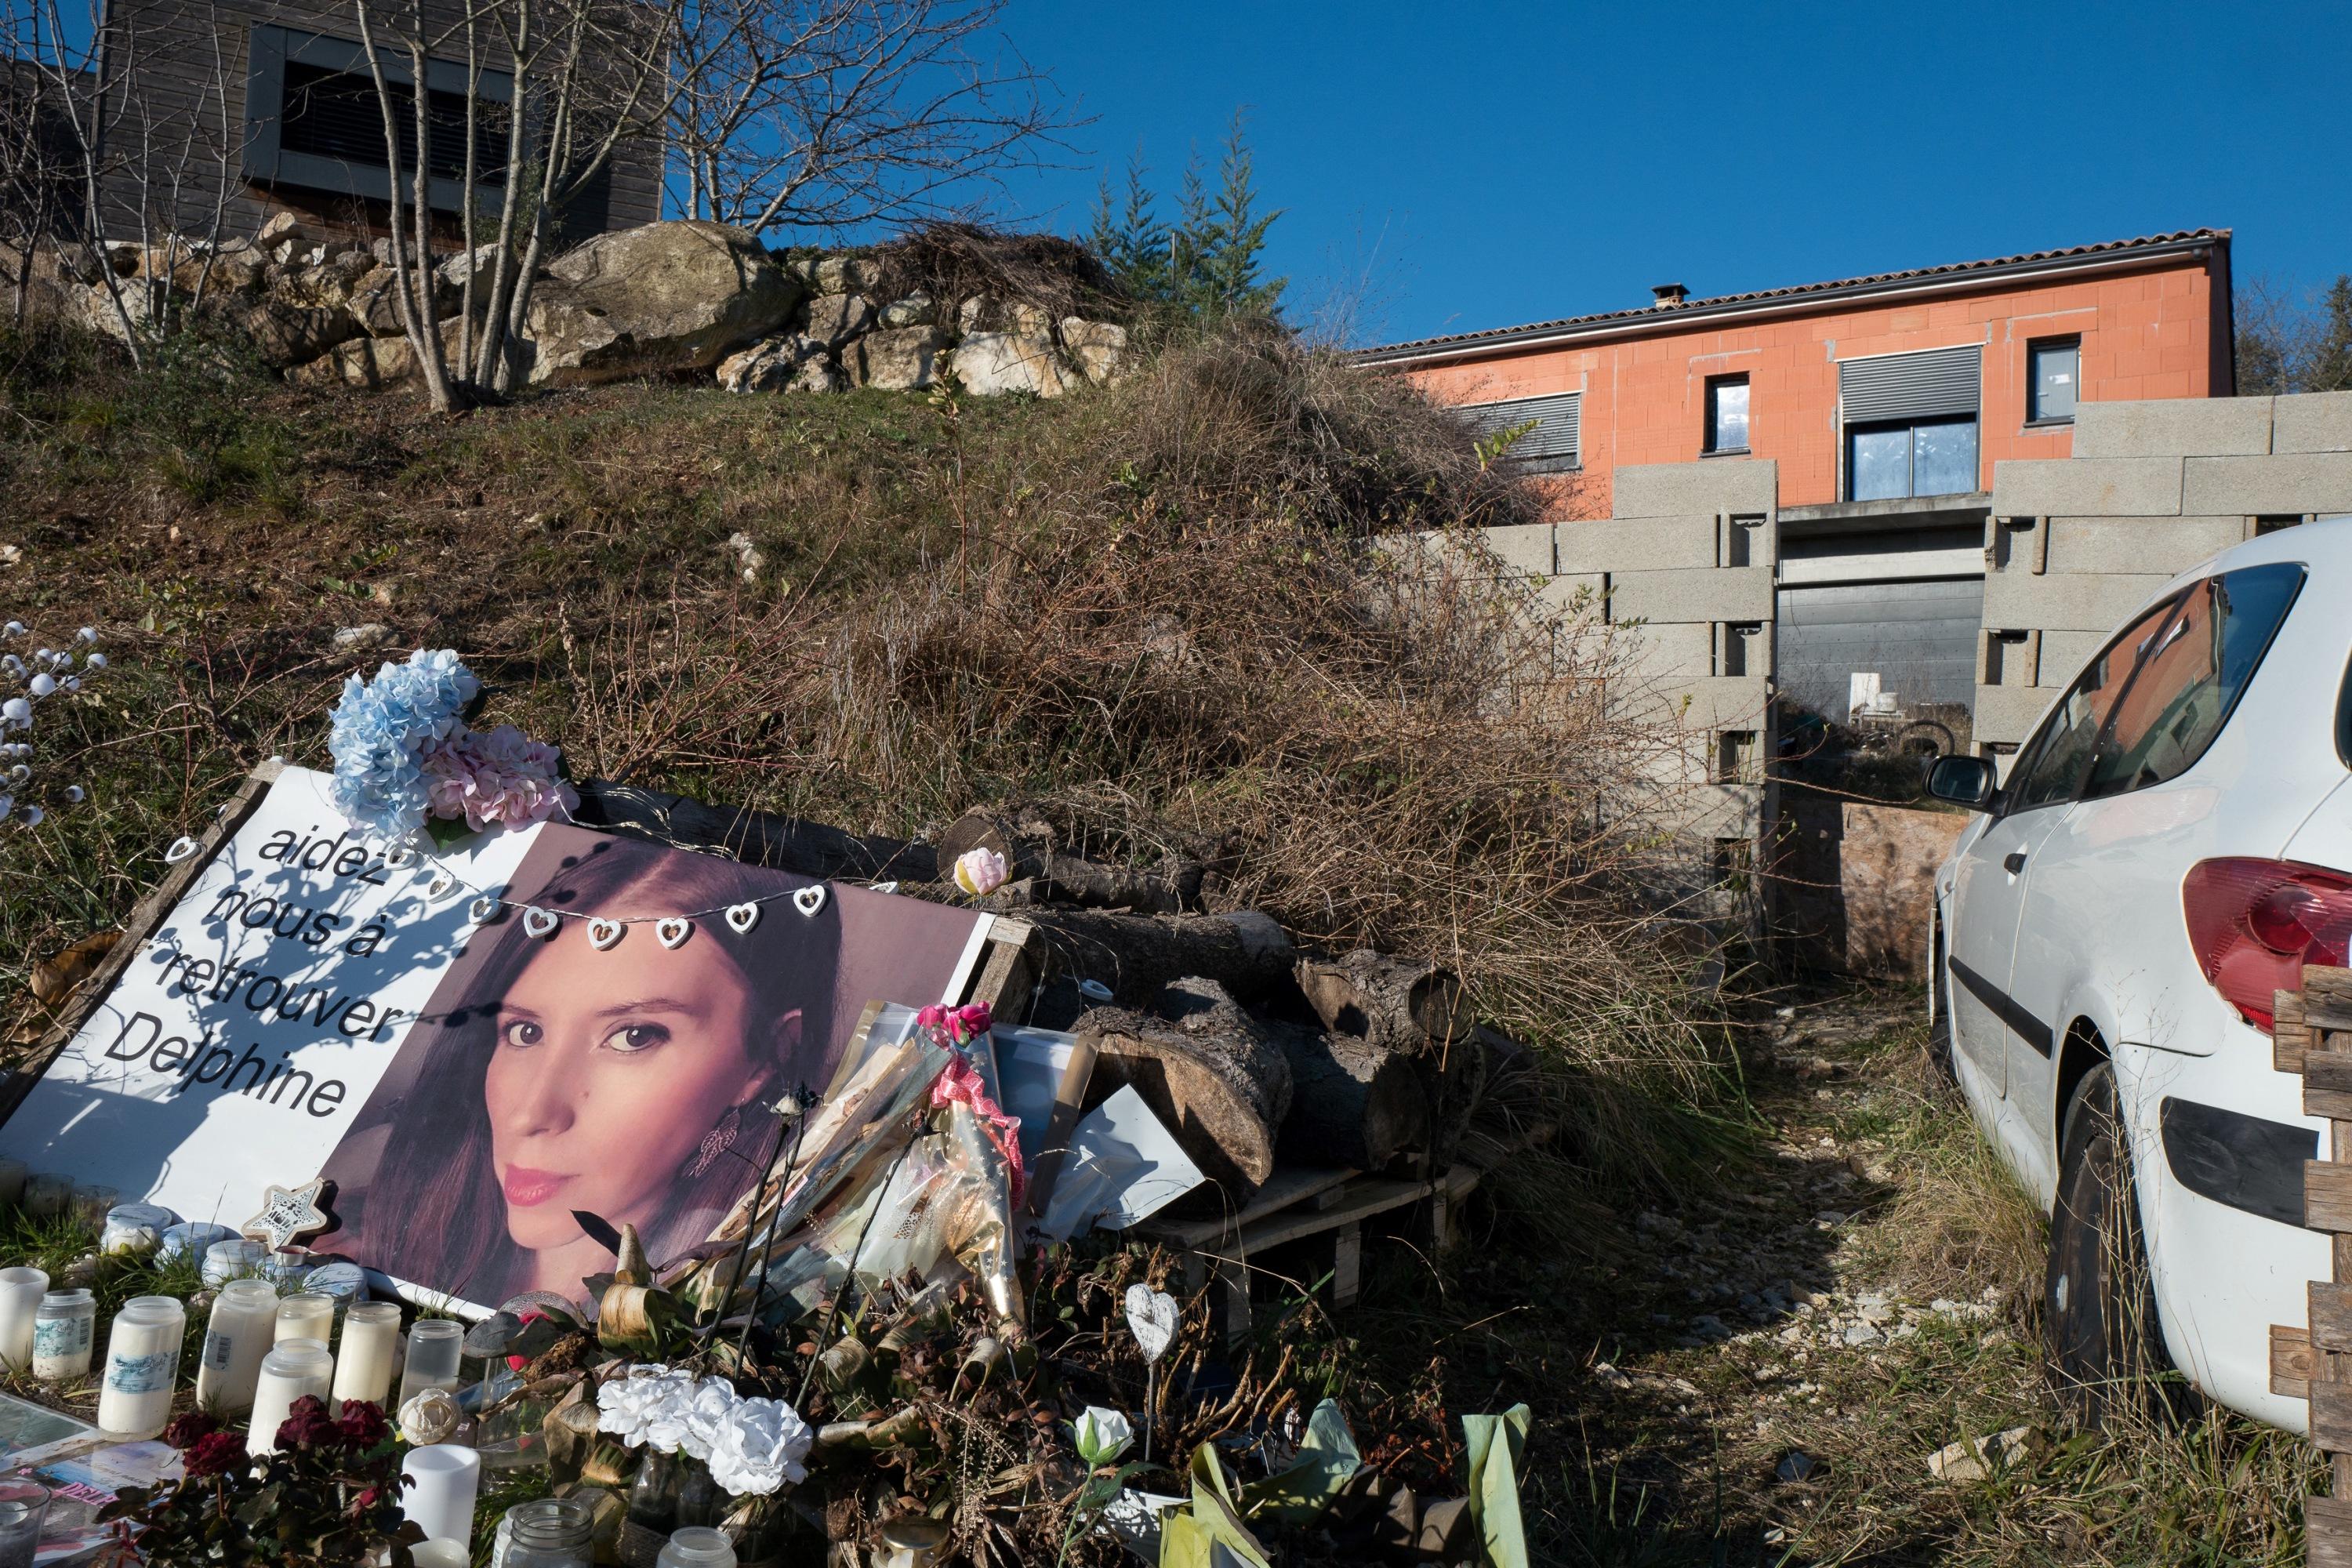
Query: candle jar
{"x": 143, "y": 1362}
{"x": 24, "y": 1504}
{"x": 90, "y": 1204}
{"x": 435, "y": 1347}
{"x": 241, "y": 1330}
{"x": 698, "y": 1546}
{"x": 235, "y": 1258}
{"x": 47, "y": 1194}
{"x": 192, "y": 1235}
{"x": 443, "y": 1482}
{"x": 652, "y": 1512}
{"x": 306, "y": 1315}
{"x": 21, "y": 1291}
{"x": 363, "y": 1359}
{"x": 550, "y": 1533}
{"x": 293, "y": 1370}
{"x": 135, "y": 1228}
{"x": 64, "y": 1328}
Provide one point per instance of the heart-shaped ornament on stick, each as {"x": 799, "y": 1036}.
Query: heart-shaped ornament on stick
{"x": 1151, "y": 1318}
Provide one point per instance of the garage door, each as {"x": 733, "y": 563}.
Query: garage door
{"x": 1920, "y": 637}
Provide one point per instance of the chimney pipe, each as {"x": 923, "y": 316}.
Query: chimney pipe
{"x": 1667, "y": 296}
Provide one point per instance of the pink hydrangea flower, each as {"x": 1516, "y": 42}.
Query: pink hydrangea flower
{"x": 496, "y": 777}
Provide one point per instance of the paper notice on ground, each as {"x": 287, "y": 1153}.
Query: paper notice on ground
{"x": 1123, "y": 1166}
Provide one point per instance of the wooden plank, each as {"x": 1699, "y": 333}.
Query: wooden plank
{"x": 2326, "y": 997}
{"x": 2326, "y": 1195}
{"x": 2331, "y": 1415}
{"x": 1365, "y": 1199}
{"x": 145, "y": 916}
{"x": 2294, "y": 1362}
{"x": 2328, "y": 1532}
{"x": 2328, "y": 1084}
{"x": 2331, "y": 1316}
{"x": 1290, "y": 1185}
{"x": 2289, "y": 1038}
{"x": 1347, "y": 1265}
{"x": 1008, "y": 973}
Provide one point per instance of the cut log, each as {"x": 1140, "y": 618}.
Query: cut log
{"x": 785, "y": 843}
{"x": 1452, "y": 1082}
{"x": 1057, "y": 878}
{"x": 1246, "y": 952}
{"x": 1352, "y": 1103}
{"x": 1214, "y": 1076}
{"x": 1396, "y": 1004}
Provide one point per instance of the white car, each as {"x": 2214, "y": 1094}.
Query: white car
{"x": 2169, "y": 847}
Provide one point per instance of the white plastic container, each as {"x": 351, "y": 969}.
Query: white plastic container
{"x": 143, "y": 1363}
{"x": 363, "y": 1358}
{"x": 292, "y": 1371}
{"x": 21, "y": 1291}
{"x": 65, "y": 1328}
{"x": 242, "y": 1330}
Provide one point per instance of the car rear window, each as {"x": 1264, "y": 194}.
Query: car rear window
{"x": 2189, "y": 678}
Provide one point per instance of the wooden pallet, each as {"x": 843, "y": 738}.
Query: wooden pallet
{"x": 1299, "y": 1203}
{"x": 2313, "y": 1037}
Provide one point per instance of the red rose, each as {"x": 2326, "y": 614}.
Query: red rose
{"x": 214, "y": 1454}
{"x": 187, "y": 1431}
{"x": 309, "y": 1426}
{"x": 364, "y": 1425}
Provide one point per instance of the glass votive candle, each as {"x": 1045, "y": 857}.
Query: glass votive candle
{"x": 21, "y": 1291}
{"x": 306, "y": 1315}
{"x": 697, "y": 1546}
{"x": 242, "y": 1330}
{"x": 65, "y": 1328}
{"x": 143, "y": 1362}
{"x": 24, "y": 1505}
{"x": 363, "y": 1358}
{"x": 550, "y": 1532}
{"x": 235, "y": 1258}
{"x": 91, "y": 1203}
{"x": 47, "y": 1193}
{"x": 12, "y": 1181}
{"x": 295, "y": 1369}
{"x": 436, "y": 1348}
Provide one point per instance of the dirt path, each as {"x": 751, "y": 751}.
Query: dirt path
{"x": 1786, "y": 1361}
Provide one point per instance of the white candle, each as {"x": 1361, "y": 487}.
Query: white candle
{"x": 62, "y": 1334}
{"x": 306, "y": 1316}
{"x": 440, "y": 1551}
{"x": 363, "y": 1359}
{"x": 21, "y": 1291}
{"x": 444, "y": 1479}
{"x": 143, "y": 1362}
{"x": 47, "y": 1194}
{"x": 12, "y": 1181}
{"x": 243, "y": 1328}
{"x": 294, "y": 1370}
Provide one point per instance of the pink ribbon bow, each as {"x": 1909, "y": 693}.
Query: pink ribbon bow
{"x": 960, "y": 1085}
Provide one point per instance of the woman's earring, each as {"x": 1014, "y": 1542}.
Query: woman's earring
{"x": 718, "y": 1141}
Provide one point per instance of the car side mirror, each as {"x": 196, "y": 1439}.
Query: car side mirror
{"x": 1963, "y": 781}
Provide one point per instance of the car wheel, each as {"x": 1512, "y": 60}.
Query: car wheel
{"x": 2105, "y": 1345}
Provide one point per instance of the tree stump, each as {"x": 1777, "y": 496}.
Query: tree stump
{"x": 1396, "y": 1004}
{"x": 1214, "y": 1076}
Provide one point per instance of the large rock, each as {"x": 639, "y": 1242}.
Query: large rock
{"x": 1096, "y": 348}
{"x": 845, "y": 274}
{"x": 793, "y": 362}
{"x": 285, "y": 333}
{"x": 903, "y": 360}
{"x": 655, "y": 300}
{"x": 988, "y": 363}
{"x": 916, "y": 310}
{"x": 373, "y": 362}
{"x": 834, "y": 319}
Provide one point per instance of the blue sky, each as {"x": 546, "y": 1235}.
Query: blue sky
{"x": 1446, "y": 168}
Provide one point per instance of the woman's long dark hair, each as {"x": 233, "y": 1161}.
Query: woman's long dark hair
{"x": 435, "y": 1214}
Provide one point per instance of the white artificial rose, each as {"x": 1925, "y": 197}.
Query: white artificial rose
{"x": 759, "y": 1447}
{"x": 627, "y": 1407}
{"x": 701, "y": 1413}
{"x": 1101, "y": 1435}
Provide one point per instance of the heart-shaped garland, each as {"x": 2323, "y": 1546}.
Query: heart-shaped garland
{"x": 536, "y": 922}
{"x": 741, "y": 917}
{"x": 181, "y": 848}
{"x": 482, "y": 909}
{"x": 672, "y": 932}
{"x": 602, "y": 933}
{"x": 439, "y": 884}
{"x": 810, "y": 900}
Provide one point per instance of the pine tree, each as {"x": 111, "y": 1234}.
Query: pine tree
{"x": 1208, "y": 264}
{"x": 1129, "y": 240}
{"x": 2330, "y": 369}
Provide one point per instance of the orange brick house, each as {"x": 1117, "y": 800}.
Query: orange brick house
{"x": 1780, "y": 373}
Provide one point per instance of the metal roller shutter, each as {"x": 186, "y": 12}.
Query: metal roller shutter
{"x": 1937, "y": 384}
{"x": 1920, "y": 637}
{"x": 1553, "y": 438}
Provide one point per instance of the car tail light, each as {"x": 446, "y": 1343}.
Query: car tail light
{"x": 2254, "y": 924}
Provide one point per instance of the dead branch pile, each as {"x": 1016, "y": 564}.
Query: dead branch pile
{"x": 955, "y": 261}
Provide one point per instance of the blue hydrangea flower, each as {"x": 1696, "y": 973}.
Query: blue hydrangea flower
{"x": 380, "y": 727}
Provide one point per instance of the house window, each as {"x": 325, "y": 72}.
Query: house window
{"x": 313, "y": 121}
{"x": 1911, "y": 423}
{"x": 1532, "y": 434}
{"x": 1931, "y": 458}
{"x": 1727, "y": 413}
{"x": 2053, "y": 372}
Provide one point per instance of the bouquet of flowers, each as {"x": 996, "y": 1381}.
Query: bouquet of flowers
{"x": 753, "y": 1447}
{"x": 404, "y": 755}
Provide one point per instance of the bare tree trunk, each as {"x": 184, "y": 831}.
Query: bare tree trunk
{"x": 415, "y": 317}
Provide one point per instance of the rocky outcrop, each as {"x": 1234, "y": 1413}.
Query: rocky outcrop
{"x": 792, "y": 363}
{"x": 663, "y": 298}
{"x": 905, "y": 359}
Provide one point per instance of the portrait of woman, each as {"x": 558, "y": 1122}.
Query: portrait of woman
{"x": 631, "y": 1082}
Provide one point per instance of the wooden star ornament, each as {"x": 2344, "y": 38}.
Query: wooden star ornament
{"x": 287, "y": 1214}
